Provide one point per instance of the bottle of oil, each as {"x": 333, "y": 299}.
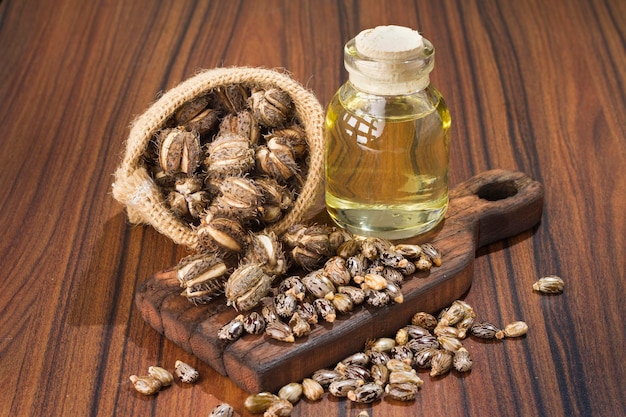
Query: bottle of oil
{"x": 387, "y": 138}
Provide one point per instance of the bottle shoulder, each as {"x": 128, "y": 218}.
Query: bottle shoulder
{"x": 411, "y": 105}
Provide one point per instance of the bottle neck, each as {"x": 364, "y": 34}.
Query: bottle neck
{"x": 389, "y": 76}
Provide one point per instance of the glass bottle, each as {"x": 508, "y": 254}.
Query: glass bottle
{"x": 387, "y": 138}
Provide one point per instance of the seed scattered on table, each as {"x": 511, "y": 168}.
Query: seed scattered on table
{"x": 550, "y": 284}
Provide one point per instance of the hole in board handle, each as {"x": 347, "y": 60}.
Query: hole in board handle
{"x": 497, "y": 190}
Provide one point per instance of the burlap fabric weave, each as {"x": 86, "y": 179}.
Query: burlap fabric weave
{"x": 135, "y": 188}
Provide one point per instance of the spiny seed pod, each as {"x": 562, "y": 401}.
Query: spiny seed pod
{"x": 425, "y": 320}
{"x": 326, "y": 376}
{"x": 223, "y": 232}
{"x": 433, "y": 253}
{"x": 462, "y": 361}
{"x": 232, "y": 330}
{"x": 246, "y": 286}
{"x": 271, "y": 107}
{"x": 314, "y": 237}
{"x": 291, "y": 392}
{"x": 229, "y": 154}
{"x": 402, "y": 391}
{"x": 243, "y": 124}
{"x": 366, "y": 393}
{"x": 188, "y": 200}
{"x": 204, "y": 122}
{"x": 239, "y": 197}
{"x": 146, "y": 385}
{"x": 550, "y": 284}
{"x": 233, "y": 98}
{"x": 423, "y": 358}
{"x": 274, "y": 195}
{"x": 325, "y": 309}
{"x": 357, "y": 295}
{"x": 259, "y": 403}
{"x": 341, "y": 387}
{"x": 299, "y": 326}
{"x": 441, "y": 363}
{"x": 484, "y": 330}
{"x": 179, "y": 151}
{"x": 186, "y": 372}
{"x": 254, "y": 323}
{"x": 310, "y": 245}
{"x": 515, "y": 329}
{"x": 191, "y": 109}
{"x": 202, "y": 276}
{"x": 312, "y": 389}
{"x": 307, "y": 259}
{"x": 222, "y": 410}
{"x": 279, "y": 331}
{"x": 163, "y": 375}
{"x": 279, "y": 165}
{"x": 293, "y": 136}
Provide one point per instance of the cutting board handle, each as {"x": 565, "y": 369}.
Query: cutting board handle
{"x": 500, "y": 203}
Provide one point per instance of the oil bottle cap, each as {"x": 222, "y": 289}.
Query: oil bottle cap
{"x": 389, "y": 43}
{"x": 389, "y": 60}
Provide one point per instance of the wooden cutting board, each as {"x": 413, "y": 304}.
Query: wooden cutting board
{"x": 491, "y": 206}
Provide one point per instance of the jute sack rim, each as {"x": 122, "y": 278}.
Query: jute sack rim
{"x": 134, "y": 187}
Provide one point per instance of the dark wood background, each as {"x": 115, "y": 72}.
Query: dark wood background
{"x": 536, "y": 86}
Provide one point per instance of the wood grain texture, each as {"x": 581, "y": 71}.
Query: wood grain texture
{"x": 533, "y": 86}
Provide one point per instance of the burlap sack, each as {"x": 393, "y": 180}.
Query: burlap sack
{"x": 135, "y": 188}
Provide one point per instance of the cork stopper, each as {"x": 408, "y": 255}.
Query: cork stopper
{"x": 389, "y": 60}
{"x": 390, "y": 43}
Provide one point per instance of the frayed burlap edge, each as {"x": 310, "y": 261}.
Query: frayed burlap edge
{"x": 134, "y": 187}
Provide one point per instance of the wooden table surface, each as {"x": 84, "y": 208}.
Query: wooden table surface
{"x": 536, "y": 86}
